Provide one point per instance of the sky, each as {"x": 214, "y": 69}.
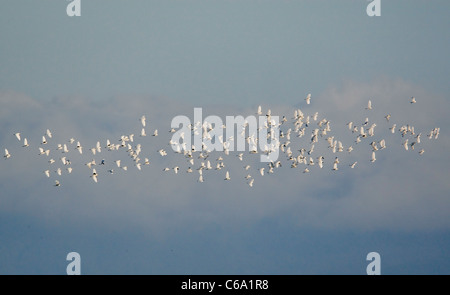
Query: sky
{"x": 92, "y": 77}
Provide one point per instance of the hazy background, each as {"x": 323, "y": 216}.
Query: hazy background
{"x": 92, "y": 77}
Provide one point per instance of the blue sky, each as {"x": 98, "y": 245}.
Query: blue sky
{"x": 93, "y": 76}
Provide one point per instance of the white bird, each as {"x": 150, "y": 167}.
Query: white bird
{"x": 57, "y": 183}
{"x": 320, "y": 161}
{"x": 117, "y": 163}
{"x": 44, "y": 141}
{"x": 421, "y": 152}
{"x": 143, "y": 132}
{"x": 155, "y": 133}
{"x": 227, "y": 176}
{"x": 353, "y": 165}
{"x": 143, "y": 121}
{"x": 373, "y": 159}
{"x": 374, "y": 145}
{"x": 25, "y": 143}
{"x": 200, "y": 178}
{"x": 49, "y": 134}
{"x": 393, "y": 128}
{"x": 58, "y": 171}
{"x": 94, "y": 175}
{"x": 335, "y": 167}
{"x": 47, "y": 173}
{"x": 308, "y": 98}
{"x": 369, "y": 105}
{"x": 17, "y": 135}
{"x": 69, "y": 169}
{"x": 259, "y": 111}
{"x": 413, "y": 99}
{"x": 43, "y": 152}
{"x": 261, "y": 171}
{"x": 250, "y": 183}
{"x": 79, "y": 147}
{"x": 405, "y": 144}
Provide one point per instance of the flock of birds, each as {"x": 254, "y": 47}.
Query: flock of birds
{"x": 298, "y": 155}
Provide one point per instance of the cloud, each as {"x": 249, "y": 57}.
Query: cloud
{"x": 400, "y": 191}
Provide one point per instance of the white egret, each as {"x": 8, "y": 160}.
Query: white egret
{"x": 79, "y": 148}
{"x": 308, "y": 98}
{"x": 373, "y": 159}
{"x": 335, "y": 167}
{"x": 94, "y": 175}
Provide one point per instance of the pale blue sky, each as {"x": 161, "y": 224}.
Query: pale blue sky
{"x": 214, "y": 51}
{"x": 93, "y": 76}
